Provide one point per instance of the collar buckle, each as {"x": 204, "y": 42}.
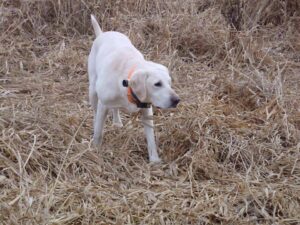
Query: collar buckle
{"x": 125, "y": 83}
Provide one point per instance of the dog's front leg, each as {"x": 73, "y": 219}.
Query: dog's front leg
{"x": 147, "y": 120}
{"x": 99, "y": 121}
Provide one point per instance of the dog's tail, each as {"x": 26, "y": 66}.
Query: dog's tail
{"x": 96, "y": 26}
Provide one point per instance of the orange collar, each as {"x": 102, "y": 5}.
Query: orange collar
{"x": 132, "y": 98}
{"x": 129, "y": 89}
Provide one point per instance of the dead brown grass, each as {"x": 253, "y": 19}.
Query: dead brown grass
{"x": 231, "y": 150}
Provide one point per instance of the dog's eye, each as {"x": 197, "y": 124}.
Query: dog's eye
{"x": 158, "y": 84}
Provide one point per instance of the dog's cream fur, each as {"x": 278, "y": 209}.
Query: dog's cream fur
{"x": 111, "y": 58}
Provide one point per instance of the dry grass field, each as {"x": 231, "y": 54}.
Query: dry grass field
{"x": 231, "y": 150}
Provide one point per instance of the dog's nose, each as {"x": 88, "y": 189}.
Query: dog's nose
{"x": 174, "y": 101}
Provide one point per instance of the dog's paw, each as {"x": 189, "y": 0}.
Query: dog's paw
{"x": 118, "y": 125}
{"x": 97, "y": 141}
{"x": 155, "y": 160}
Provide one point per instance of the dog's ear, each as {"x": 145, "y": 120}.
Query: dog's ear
{"x": 138, "y": 84}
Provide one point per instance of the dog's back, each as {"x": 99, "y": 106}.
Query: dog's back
{"x": 111, "y": 41}
{"x": 108, "y": 56}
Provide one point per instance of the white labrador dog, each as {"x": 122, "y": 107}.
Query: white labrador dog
{"x": 120, "y": 77}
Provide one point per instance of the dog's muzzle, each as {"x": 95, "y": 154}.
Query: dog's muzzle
{"x": 174, "y": 101}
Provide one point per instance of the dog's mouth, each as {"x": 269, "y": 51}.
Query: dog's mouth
{"x": 166, "y": 108}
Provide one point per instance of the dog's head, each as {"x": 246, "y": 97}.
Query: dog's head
{"x": 153, "y": 85}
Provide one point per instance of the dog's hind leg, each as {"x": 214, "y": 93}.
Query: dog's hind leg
{"x": 93, "y": 99}
{"x": 99, "y": 121}
{"x": 116, "y": 118}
